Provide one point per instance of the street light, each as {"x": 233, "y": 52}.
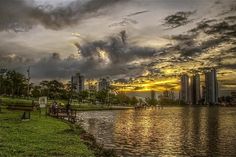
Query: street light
{"x": 2, "y": 74}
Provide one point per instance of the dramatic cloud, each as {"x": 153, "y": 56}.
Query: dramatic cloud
{"x": 110, "y": 57}
{"x": 143, "y": 45}
{"x": 178, "y": 19}
{"x": 22, "y": 15}
{"x": 138, "y": 13}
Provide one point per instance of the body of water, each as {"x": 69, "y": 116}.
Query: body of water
{"x": 172, "y": 131}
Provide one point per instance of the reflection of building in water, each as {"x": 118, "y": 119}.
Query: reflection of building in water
{"x": 213, "y": 139}
{"x": 169, "y": 132}
{"x": 78, "y": 82}
{"x": 211, "y": 87}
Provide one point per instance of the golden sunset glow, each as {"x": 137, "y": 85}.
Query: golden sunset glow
{"x": 141, "y": 85}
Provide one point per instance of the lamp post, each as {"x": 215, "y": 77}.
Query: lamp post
{"x": 2, "y": 73}
{"x": 28, "y": 79}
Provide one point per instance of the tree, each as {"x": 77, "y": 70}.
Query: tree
{"x": 133, "y": 101}
{"x": 101, "y": 96}
{"x": 123, "y": 99}
{"x": 83, "y": 95}
{"x": 16, "y": 83}
{"x": 52, "y": 89}
{"x": 36, "y": 91}
{"x": 151, "y": 102}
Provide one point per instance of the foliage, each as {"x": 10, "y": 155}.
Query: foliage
{"x": 133, "y": 101}
{"x": 101, "y": 96}
{"x": 151, "y": 102}
{"x": 123, "y": 99}
{"x": 15, "y": 84}
{"x": 171, "y": 102}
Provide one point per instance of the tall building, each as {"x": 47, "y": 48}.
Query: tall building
{"x": 195, "y": 89}
{"x": 211, "y": 85}
{"x": 103, "y": 84}
{"x": 203, "y": 95}
{"x": 184, "y": 89}
{"x": 153, "y": 95}
{"x": 78, "y": 82}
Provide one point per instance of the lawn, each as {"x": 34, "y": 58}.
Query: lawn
{"x": 40, "y": 136}
{"x": 15, "y": 101}
{"x": 75, "y": 105}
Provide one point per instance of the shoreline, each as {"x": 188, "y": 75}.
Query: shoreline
{"x": 40, "y": 136}
{"x": 89, "y": 140}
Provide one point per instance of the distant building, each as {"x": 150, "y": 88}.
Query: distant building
{"x": 153, "y": 95}
{"x": 78, "y": 82}
{"x": 184, "y": 89}
{"x": 92, "y": 87}
{"x": 168, "y": 95}
{"x": 211, "y": 87}
{"x": 233, "y": 95}
{"x": 103, "y": 84}
{"x": 203, "y": 95}
{"x": 195, "y": 89}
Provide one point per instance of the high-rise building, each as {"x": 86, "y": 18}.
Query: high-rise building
{"x": 184, "y": 89}
{"x": 211, "y": 87}
{"x": 78, "y": 82}
{"x": 203, "y": 95}
{"x": 153, "y": 95}
{"x": 195, "y": 89}
{"x": 103, "y": 84}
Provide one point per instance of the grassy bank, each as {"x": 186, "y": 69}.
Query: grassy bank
{"x": 78, "y": 106}
{"x": 15, "y": 101}
{"x": 42, "y": 137}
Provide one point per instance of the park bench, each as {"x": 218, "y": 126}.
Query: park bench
{"x": 27, "y": 109}
{"x": 0, "y": 105}
{"x": 63, "y": 113}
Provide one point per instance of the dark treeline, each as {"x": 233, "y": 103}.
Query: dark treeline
{"x": 14, "y": 84}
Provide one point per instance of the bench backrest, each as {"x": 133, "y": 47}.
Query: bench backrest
{"x": 21, "y": 107}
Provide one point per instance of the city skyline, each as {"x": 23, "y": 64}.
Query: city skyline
{"x": 142, "y": 46}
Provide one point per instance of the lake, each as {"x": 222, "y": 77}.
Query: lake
{"x": 171, "y": 131}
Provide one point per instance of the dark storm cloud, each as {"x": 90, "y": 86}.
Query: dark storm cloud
{"x": 91, "y": 63}
{"x": 222, "y": 31}
{"x": 137, "y": 13}
{"x": 117, "y": 51}
{"x": 191, "y": 45}
{"x": 124, "y": 22}
{"x": 12, "y": 60}
{"x": 178, "y": 19}
{"x": 22, "y": 15}
{"x": 9, "y": 55}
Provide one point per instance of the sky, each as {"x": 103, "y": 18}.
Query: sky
{"x": 140, "y": 45}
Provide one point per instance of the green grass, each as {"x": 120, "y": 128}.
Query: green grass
{"x": 75, "y": 105}
{"x": 15, "y": 101}
{"x": 42, "y": 137}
